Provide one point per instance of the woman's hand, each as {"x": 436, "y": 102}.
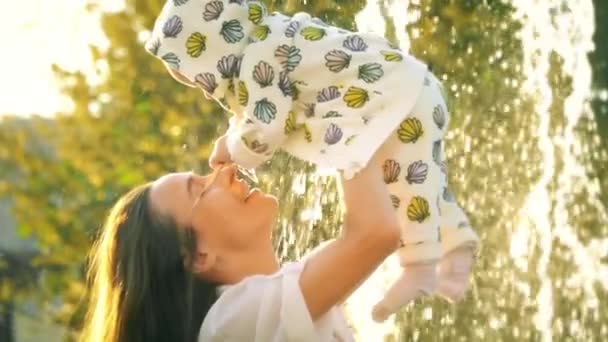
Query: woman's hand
{"x": 220, "y": 154}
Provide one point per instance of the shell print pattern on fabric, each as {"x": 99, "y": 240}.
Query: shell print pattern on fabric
{"x": 263, "y": 74}
{"x": 417, "y": 172}
{"x": 313, "y": 33}
{"x": 328, "y": 94}
{"x": 226, "y": 66}
{"x": 260, "y": 32}
{"x": 292, "y": 29}
{"x": 196, "y": 44}
{"x": 333, "y": 134}
{"x": 206, "y": 81}
{"x": 355, "y": 44}
{"x": 290, "y": 123}
{"x": 171, "y": 59}
{"x": 349, "y": 71}
{"x": 213, "y": 10}
{"x": 337, "y": 60}
{"x": 265, "y": 111}
{"x": 232, "y": 31}
{"x": 153, "y": 46}
{"x": 371, "y": 72}
{"x": 332, "y": 114}
{"x": 173, "y": 27}
{"x": 392, "y": 56}
{"x": 391, "y": 170}
{"x": 356, "y": 97}
{"x": 243, "y": 94}
{"x": 180, "y": 2}
{"x": 396, "y": 201}
{"x": 410, "y": 130}
{"x": 418, "y": 209}
{"x": 256, "y": 13}
{"x": 439, "y": 116}
{"x": 288, "y": 56}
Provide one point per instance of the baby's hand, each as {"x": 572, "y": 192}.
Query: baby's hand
{"x": 220, "y": 154}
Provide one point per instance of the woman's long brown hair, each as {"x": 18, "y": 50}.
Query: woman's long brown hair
{"x": 140, "y": 286}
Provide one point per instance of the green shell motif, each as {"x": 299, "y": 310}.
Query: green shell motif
{"x": 371, "y": 72}
{"x": 232, "y": 31}
{"x": 265, "y": 111}
{"x": 171, "y": 59}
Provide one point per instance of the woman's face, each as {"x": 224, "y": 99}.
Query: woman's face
{"x": 226, "y": 215}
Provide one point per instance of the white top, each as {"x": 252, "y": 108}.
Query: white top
{"x": 270, "y": 309}
{"x": 325, "y": 95}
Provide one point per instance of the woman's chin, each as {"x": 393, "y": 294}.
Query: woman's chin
{"x": 256, "y": 195}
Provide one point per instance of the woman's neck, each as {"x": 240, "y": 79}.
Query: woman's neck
{"x": 232, "y": 270}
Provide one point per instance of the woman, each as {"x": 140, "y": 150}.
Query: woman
{"x": 168, "y": 246}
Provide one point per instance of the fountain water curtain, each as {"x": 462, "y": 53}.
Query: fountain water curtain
{"x": 550, "y": 30}
{"x": 554, "y": 27}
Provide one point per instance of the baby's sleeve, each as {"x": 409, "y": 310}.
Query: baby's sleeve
{"x": 264, "y": 91}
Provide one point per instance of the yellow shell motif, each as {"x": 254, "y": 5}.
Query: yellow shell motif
{"x": 418, "y": 210}
{"x": 356, "y": 97}
{"x": 350, "y": 140}
{"x": 410, "y": 130}
{"x": 313, "y": 33}
{"x": 395, "y": 200}
{"x": 261, "y": 32}
{"x": 256, "y": 12}
{"x": 290, "y": 123}
{"x": 243, "y": 94}
{"x": 196, "y": 44}
{"x": 392, "y": 56}
{"x": 307, "y": 133}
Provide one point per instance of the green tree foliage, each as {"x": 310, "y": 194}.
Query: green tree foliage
{"x": 62, "y": 175}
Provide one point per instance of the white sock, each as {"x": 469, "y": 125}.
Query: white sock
{"x": 417, "y": 280}
{"x": 454, "y": 273}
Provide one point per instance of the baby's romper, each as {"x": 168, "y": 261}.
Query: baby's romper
{"x": 323, "y": 94}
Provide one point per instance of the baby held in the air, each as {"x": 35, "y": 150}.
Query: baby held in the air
{"x": 333, "y": 98}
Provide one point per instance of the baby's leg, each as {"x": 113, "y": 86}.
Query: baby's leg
{"x": 414, "y": 180}
{"x": 459, "y": 241}
{"x": 459, "y": 244}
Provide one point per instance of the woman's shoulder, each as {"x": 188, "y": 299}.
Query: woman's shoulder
{"x": 267, "y": 306}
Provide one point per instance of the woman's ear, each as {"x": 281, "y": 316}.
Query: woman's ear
{"x": 203, "y": 262}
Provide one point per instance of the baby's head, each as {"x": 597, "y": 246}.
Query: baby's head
{"x": 201, "y": 41}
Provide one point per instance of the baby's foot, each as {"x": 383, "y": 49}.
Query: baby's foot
{"x": 417, "y": 280}
{"x": 454, "y": 272}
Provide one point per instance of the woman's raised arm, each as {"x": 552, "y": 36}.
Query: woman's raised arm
{"x": 370, "y": 234}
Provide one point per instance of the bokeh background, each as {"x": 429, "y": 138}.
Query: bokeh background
{"x": 86, "y": 114}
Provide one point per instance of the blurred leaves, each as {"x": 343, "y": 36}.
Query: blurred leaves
{"x": 62, "y": 175}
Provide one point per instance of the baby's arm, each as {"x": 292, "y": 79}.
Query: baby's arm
{"x": 253, "y": 137}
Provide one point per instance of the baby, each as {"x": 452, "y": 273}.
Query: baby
{"x": 333, "y": 98}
